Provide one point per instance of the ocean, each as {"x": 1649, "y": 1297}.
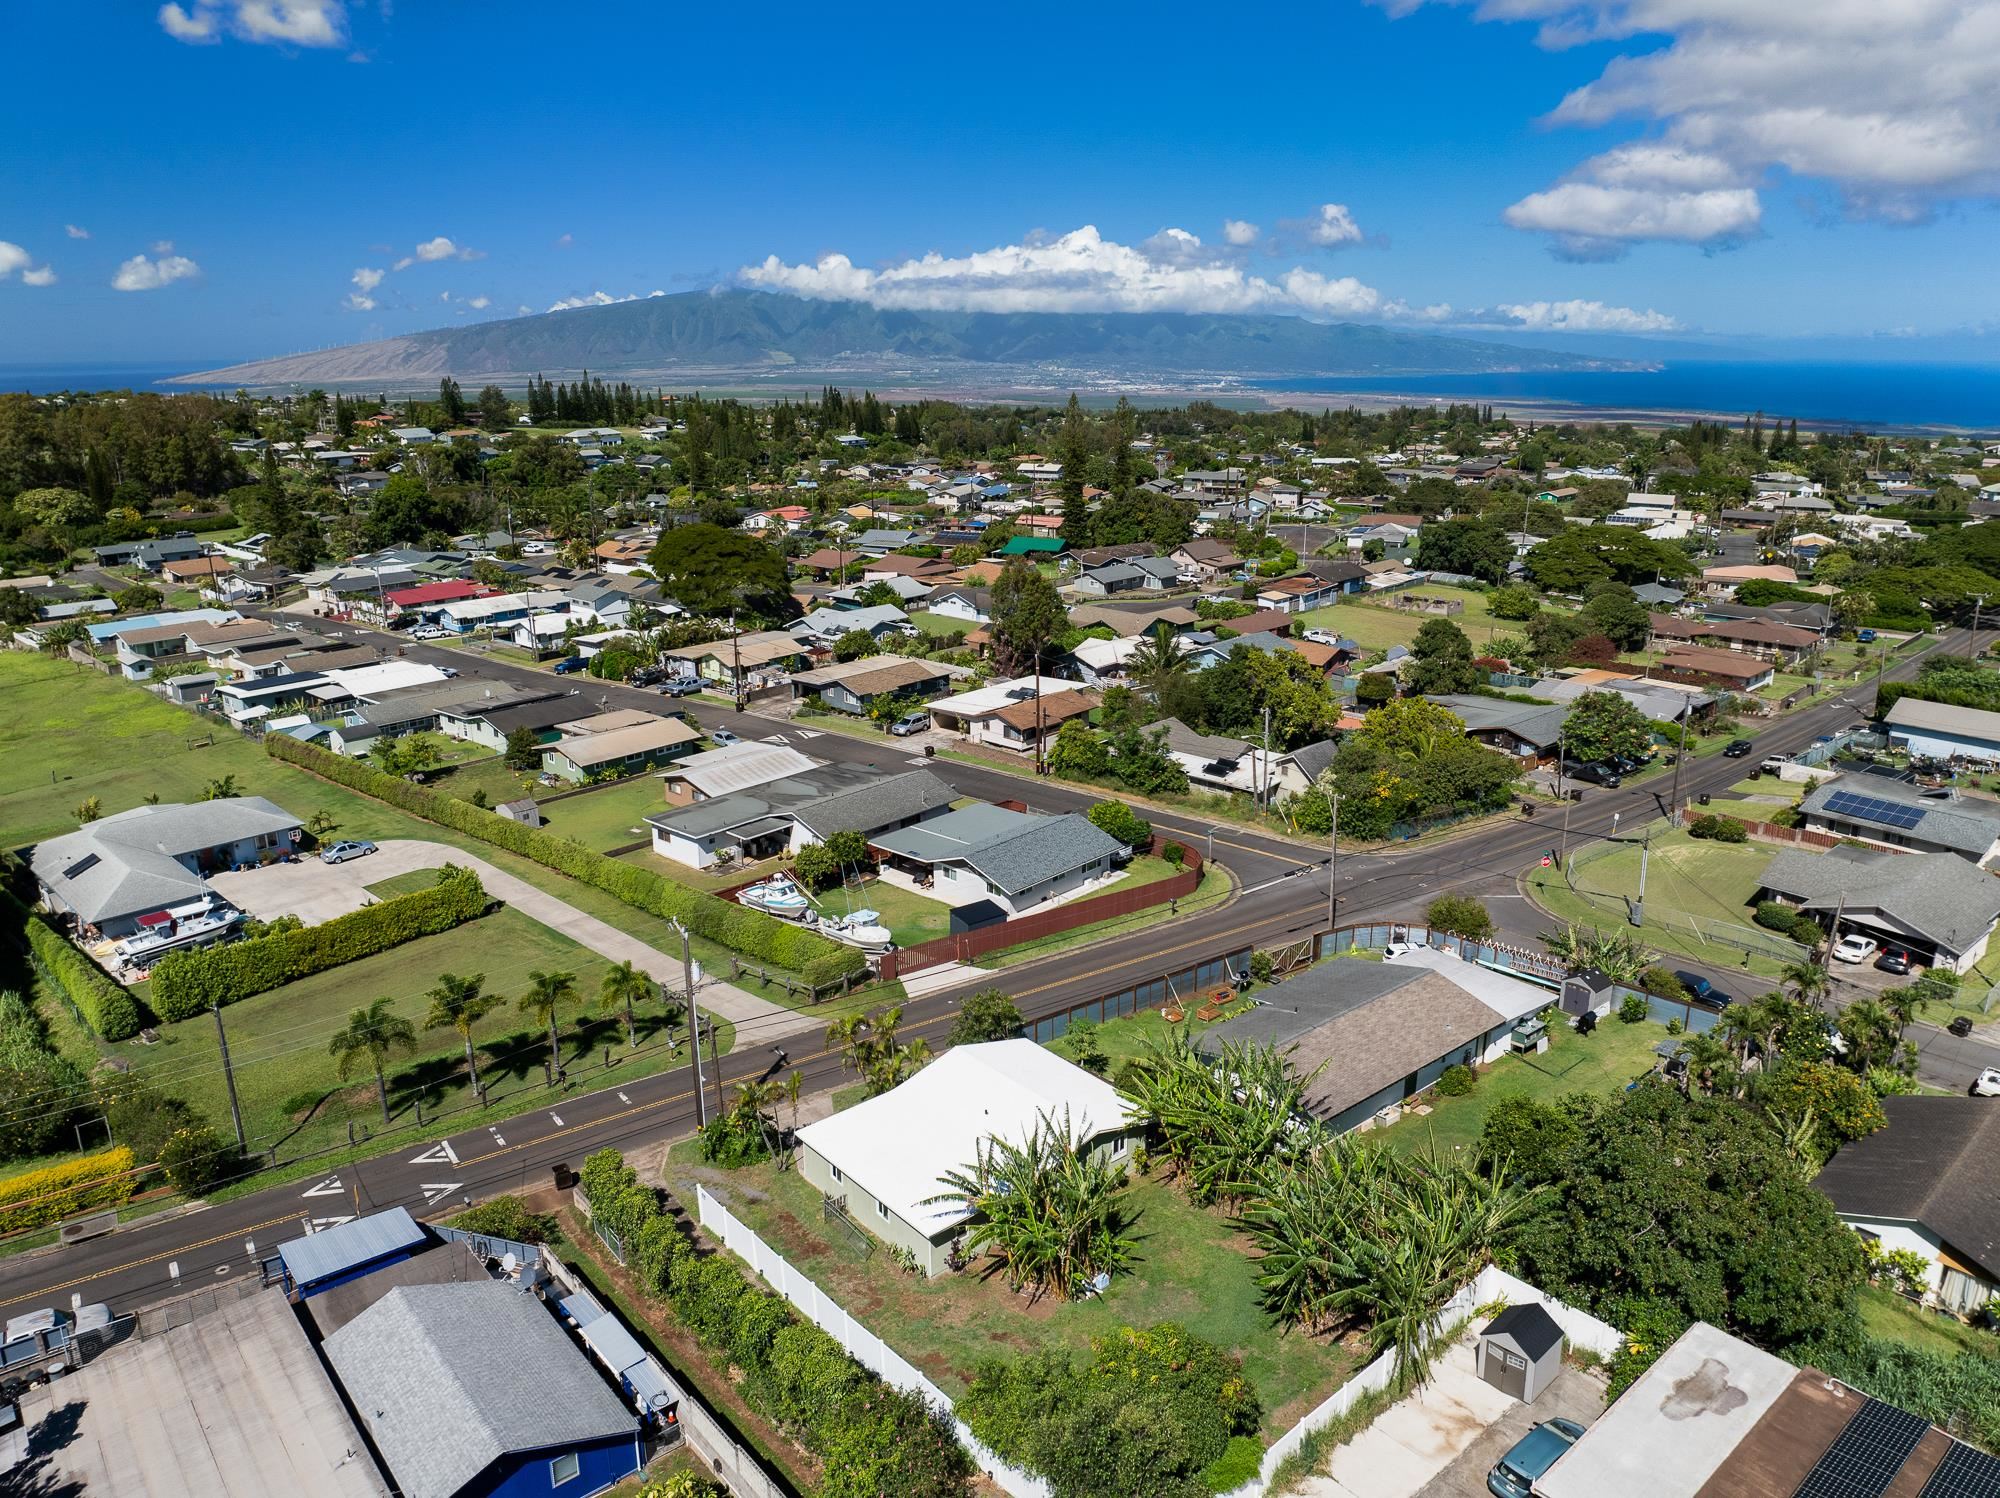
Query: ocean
{"x": 50, "y": 379}
{"x": 1874, "y": 397}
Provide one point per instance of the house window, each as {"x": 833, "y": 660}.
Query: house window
{"x": 1118, "y": 1145}
{"x": 836, "y": 1171}
{"x": 565, "y": 1468}
{"x": 882, "y": 1210}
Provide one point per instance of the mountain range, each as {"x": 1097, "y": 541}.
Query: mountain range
{"x": 756, "y": 335}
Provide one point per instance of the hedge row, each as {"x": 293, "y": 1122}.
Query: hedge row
{"x": 48, "y": 1195}
{"x": 872, "y": 1439}
{"x": 105, "y": 1007}
{"x": 750, "y": 932}
{"x": 187, "y": 983}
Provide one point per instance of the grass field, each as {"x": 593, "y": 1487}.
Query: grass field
{"x": 1712, "y": 883}
{"x": 489, "y": 775}
{"x": 1377, "y": 627}
{"x": 610, "y": 816}
{"x": 286, "y": 1081}
{"x": 1214, "y": 888}
{"x": 1888, "y": 1315}
{"x": 1191, "y": 1268}
{"x": 1603, "y": 1062}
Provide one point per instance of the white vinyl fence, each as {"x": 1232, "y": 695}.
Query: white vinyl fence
{"x": 867, "y": 1349}
{"x": 1492, "y": 1284}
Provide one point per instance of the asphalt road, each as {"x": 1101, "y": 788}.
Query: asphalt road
{"x": 1282, "y": 894}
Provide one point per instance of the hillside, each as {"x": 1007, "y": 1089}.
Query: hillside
{"x": 758, "y": 333}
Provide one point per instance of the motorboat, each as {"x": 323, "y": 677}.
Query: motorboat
{"x": 165, "y": 932}
{"x": 858, "y": 928}
{"x": 778, "y": 895}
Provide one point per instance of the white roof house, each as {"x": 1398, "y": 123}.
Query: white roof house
{"x": 388, "y": 676}
{"x": 898, "y": 1147}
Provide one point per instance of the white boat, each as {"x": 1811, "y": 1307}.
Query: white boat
{"x": 858, "y": 928}
{"x": 778, "y": 895}
{"x": 177, "y": 934}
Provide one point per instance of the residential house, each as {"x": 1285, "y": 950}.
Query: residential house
{"x": 827, "y": 561}
{"x": 1225, "y": 481}
{"x": 1662, "y": 701}
{"x": 1343, "y": 577}
{"x": 1300, "y": 593}
{"x": 1298, "y": 770}
{"x": 622, "y": 742}
{"x": 624, "y": 554}
{"x": 1929, "y": 1183}
{"x": 1936, "y": 906}
{"x": 764, "y": 656}
{"x": 782, "y": 816}
{"x": 195, "y": 572}
{"x": 1941, "y": 730}
{"x": 499, "y": 611}
{"x": 1011, "y": 714}
{"x": 884, "y": 1160}
{"x": 244, "y": 703}
{"x": 742, "y": 766}
{"x": 1140, "y": 575}
{"x": 135, "y": 869}
{"x": 1102, "y": 556}
{"x": 1895, "y": 814}
{"x": 986, "y": 855}
{"x": 879, "y": 541}
{"x": 961, "y": 603}
{"x": 149, "y": 556}
{"x": 1370, "y": 1036}
{"x": 855, "y": 687}
{"x": 1523, "y": 730}
{"x": 1214, "y": 760}
{"x": 488, "y": 720}
{"x": 1782, "y": 643}
{"x": 1046, "y": 548}
{"x": 822, "y": 627}
{"x": 1726, "y": 580}
{"x": 1205, "y": 561}
{"x": 907, "y": 590}
{"x": 1735, "y": 670}
{"x": 402, "y": 713}
{"x": 423, "y": 602}
{"x": 413, "y": 436}
{"x": 1715, "y": 1417}
{"x": 1134, "y": 618}
{"x": 924, "y": 569}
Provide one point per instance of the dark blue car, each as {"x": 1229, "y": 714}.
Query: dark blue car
{"x": 569, "y": 667}
{"x": 1516, "y": 1473}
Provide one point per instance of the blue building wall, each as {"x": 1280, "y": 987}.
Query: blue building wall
{"x": 527, "y": 1475}
{"x": 1937, "y": 744}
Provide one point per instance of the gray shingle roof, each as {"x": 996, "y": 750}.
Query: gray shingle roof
{"x": 1960, "y": 823}
{"x": 449, "y": 1378}
{"x": 1012, "y": 850}
{"x": 880, "y": 802}
{"x": 1937, "y": 1163}
{"x": 129, "y": 863}
{"x": 1938, "y": 895}
{"x": 1182, "y": 739}
{"x": 1535, "y": 724}
{"x": 1314, "y": 760}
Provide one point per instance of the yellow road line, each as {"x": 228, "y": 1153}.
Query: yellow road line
{"x": 185, "y": 1248}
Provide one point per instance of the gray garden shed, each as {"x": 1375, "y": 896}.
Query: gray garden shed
{"x": 1520, "y": 1351}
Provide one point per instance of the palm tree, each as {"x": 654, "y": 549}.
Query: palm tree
{"x": 1871, "y": 1033}
{"x": 459, "y": 1004}
{"x": 794, "y": 1085}
{"x": 1618, "y": 955}
{"x": 1711, "y": 1064}
{"x": 623, "y": 987}
{"x": 547, "y": 994}
{"x": 1156, "y": 662}
{"x": 223, "y": 789}
{"x": 1806, "y": 981}
{"x": 377, "y": 1033}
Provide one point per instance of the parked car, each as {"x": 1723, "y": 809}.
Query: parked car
{"x": 1736, "y": 749}
{"x": 724, "y": 738}
{"x": 1626, "y": 764}
{"x": 1772, "y": 763}
{"x": 1516, "y": 1473}
{"x": 1961, "y": 1025}
{"x": 1602, "y": 775}
{"x": 1895, "y": 960}
{"x": 1854, "y": 947}
{"x": 910, "y": 723}
{"x": 448, "y": 672}
{"x": 681, "y": 686}
{"x": 1322, "y": 637}
{"x": 425, "y": 632}
{"x": 1700, "y": 988}
{"x": 570, "y": 666}
{"x": 1865, "y": 637}
{"x": 342, "y": 851}
{"x": 1986, "y": 1084}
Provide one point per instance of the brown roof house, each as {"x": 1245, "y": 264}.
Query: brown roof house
{"x": 1373, "y": 1035}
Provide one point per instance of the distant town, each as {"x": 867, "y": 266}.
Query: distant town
{"x": 592, "y": 938}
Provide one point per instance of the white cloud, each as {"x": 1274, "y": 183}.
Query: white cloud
{"x": 1080, "y": 271}
{"x": 75, "y": 233}
{"x": 597, "y": 299}
{"x": 1595, "y": 222}
{"x": 294, "y": 23}
{"x": 192, "y": 26}
{"x": 141, "y": 274}
{"x": 480, "y": 303}
{"x": 12, "y": 258}
{"x": 1584, "y": 317}
{"x": 405, "y": 263}
{"x": 1333, "y": 225}
{"x": 367, "y": 277}
{"x": 444, "y": 296}
{"x": 1239, "y": 231}
{"x": 163, "y": 247}
{"x": 43, "y": 275}
{"x": 436, "y": 249}
{"x": 358, "y": 301}
{"x": 564, "y": 241}
{"x": 1893, "y": 104}
{"x": 524, "y": 309}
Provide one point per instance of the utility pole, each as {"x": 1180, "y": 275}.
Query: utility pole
{"x": 1040, "y": 766}
{"x": 1562, "y": 790}
{"x": 1680, "y": 754}
{"x": 1638, "y": 914}
{"x": 1264, "y": 761}
{"x": 228, "y": 1076}
{"x": 1332, "y": 861}
{"x": 735, "y": 662}
{"x": 694, "y": 1028}
{"x": 714, "y": 1067}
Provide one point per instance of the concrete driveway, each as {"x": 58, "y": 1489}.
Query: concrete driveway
{"x": 1441, "y": 1441}
{"x": 316, "y": 892}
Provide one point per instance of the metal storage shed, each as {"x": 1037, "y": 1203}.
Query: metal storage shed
{"x": 1520, "y": 1351}
{"x": 321, "y": 1260}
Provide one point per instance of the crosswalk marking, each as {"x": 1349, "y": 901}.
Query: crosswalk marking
{"x": 329, "y": 1187}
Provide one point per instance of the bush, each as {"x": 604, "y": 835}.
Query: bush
{"x": 106, "y": 1008}
{"x": 871, "y": 1438}
{"x": 194, "y": 1158}
{"x": 1121, "y": 822}
{"x": 1721, "y": 829}
{"x": 1174, "y": 854}
{"x": 1461, "y": 915}
{"x": 1241, "y": 1460}
{"x": 1774, "y": 915}
{"x": 816, "y": 868}
{"x": 1632, "y": 1009}
{"x": 750, "y": 932}
{"x": 1662, "y": 984}
{"x": 187, "y": 983}
{"x": 39, "y": 1197}
{"x": 508, "y": 1217}
{"x": 1457, "y": 1081}
{"x": 30, "y": 1068}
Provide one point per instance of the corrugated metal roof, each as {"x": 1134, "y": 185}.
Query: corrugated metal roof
{"x": 319, "y": 1256}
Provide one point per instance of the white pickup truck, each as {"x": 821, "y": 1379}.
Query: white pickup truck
{"x": 34, "y": 1337}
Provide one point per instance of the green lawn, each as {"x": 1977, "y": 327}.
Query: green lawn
{"x": 911, "y": 918}
{"x": 1377, "y": 627}
{"x": 1888, "y": 1315}
{"x": 939, "y": 624}
{"x": 608, "y": 817}
{"x": 1191, "y": 1268}
{"x": 1603, "y": 1061}
{"x": 403, "y": 884}
{"x": 290, "y": 1094}
{"x": 1214, "y": 888}
{"x": 490, "y": 775}
{"x": 1689, "y": 884}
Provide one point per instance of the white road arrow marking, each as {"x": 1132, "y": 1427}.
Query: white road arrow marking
{"x": 440, "y": 1153}
{"x": 809, "y": 733}
{"x": 558, "y": 1118}
{"x": 321, "y": 1224}
{"x": 623, "y": 1099}
{"x": 436, "y": 1191}
{"x": 329, "y": 1187}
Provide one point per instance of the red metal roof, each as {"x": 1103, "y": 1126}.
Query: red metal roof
{"x": 449, "y": 591}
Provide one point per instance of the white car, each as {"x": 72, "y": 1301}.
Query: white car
{"x": 1986, "y": 1085}
{"x": 1855, "y": 947}
{"x": 429, "y": 632}
{"x": 1322, "y": 637}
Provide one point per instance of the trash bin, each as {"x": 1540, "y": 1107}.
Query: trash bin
{"x": 564, "y": 1176}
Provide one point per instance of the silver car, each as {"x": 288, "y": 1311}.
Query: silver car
{"x": 341, "y": 852}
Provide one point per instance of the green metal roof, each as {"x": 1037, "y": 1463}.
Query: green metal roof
{"x": 1020, "y": 546}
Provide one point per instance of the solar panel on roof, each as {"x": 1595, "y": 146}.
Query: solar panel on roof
{"x": 1872, "y": 809}
{"x": 1867, "y": 1454}
{"x": 1964, "y": 1473}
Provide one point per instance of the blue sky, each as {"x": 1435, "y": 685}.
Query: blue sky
{"x": 241, "y": 178}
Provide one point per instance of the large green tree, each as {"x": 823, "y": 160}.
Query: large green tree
{"x": 1443, "y": 660}
{"x": 1476, "y": 548}
{"x": 1602, "y": 724}
{"x": 1027, "y": 616}
{"x": 709, "y": 570}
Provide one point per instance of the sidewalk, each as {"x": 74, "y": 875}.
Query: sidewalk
{"x": 317, "y": 892}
